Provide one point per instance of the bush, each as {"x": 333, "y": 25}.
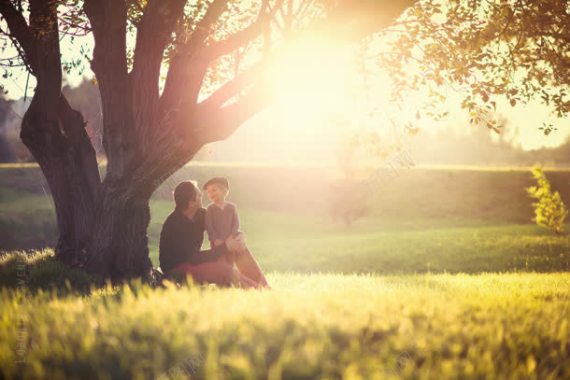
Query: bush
{"x": 549, "y": 209}
{"x": 40, "y": 270}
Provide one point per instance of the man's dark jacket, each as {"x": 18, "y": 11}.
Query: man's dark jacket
{"x": 181, "y": 239}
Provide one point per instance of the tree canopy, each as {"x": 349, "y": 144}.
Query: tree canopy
{"x": 518, "y": 49}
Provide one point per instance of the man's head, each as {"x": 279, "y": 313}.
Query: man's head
{"x": 217, "y": 189}
{"x": 187, "y": 195}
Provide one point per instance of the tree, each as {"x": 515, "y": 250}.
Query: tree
{"x": 147, "y": 134}
{"x": 214, "y": 52}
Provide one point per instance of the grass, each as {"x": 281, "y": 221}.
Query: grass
{"x": 325, "y": 326}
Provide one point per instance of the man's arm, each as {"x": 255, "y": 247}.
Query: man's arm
{"x": 209, "y": 255}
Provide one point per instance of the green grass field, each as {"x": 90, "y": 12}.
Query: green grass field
{"x": 430, "y": 326}
{"x": 445, "y": 278}
{"x": 425, "y": 220}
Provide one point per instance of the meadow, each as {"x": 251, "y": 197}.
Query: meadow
{"x": 452, "y": 220}
{"x": 445, "y": 277}
{"x": 319, "y": 326}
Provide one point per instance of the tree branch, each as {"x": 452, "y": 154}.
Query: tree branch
{"x": 352, "y": 20}
{"x": 203, "y": 27}
{"x": 232, "y": 87}
{"x": 188, "y": 66}
{"x": 20, "y": 32}
{"x": 244, "y": 36}
{"x": 109, "y": 23}
{"x": 43, "y": 24}
{"x": 218, "y": 124}
{"x": 153, "y": 35}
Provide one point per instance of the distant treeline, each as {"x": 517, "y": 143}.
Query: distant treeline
{"x": 479, "y": 148}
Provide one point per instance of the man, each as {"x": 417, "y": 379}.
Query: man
{"x": 181, "y": 239}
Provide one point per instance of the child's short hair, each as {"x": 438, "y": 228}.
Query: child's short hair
{"x": 221, "y": 181}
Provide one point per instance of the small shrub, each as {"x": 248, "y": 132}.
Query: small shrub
{"x": 549, "y": 209}
{"x": 40, "y": 270}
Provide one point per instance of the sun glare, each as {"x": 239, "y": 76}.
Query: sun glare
{"x": 311, "y": 82}
{"x": 322, "y": 94}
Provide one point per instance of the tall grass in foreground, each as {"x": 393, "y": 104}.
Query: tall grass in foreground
{"x": 308, "y": 327}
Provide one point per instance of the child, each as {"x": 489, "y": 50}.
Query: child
{"x": 222, "y": 222}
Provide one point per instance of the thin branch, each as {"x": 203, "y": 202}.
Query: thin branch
{"x": 244, "y": 36}
{"x": 203, "y": 27}
{"x": 20, "y": 32}
{"x": 232, "y": 87}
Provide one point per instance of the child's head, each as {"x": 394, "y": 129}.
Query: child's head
{"x": 217, "y": 189}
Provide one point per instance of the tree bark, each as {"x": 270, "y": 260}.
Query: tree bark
{"x": 54, "y": 132}
{"x": 58, "y": 141}
{"x": 119, "y": 243}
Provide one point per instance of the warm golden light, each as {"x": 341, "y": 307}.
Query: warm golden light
{"x": 312, "y": 81}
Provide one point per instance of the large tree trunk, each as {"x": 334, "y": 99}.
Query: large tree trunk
{"x": 119, "y": 243}
{"x": 55, "y": 133}
{"x": 130, "y": 102}
{"x": 57, "y": 140}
